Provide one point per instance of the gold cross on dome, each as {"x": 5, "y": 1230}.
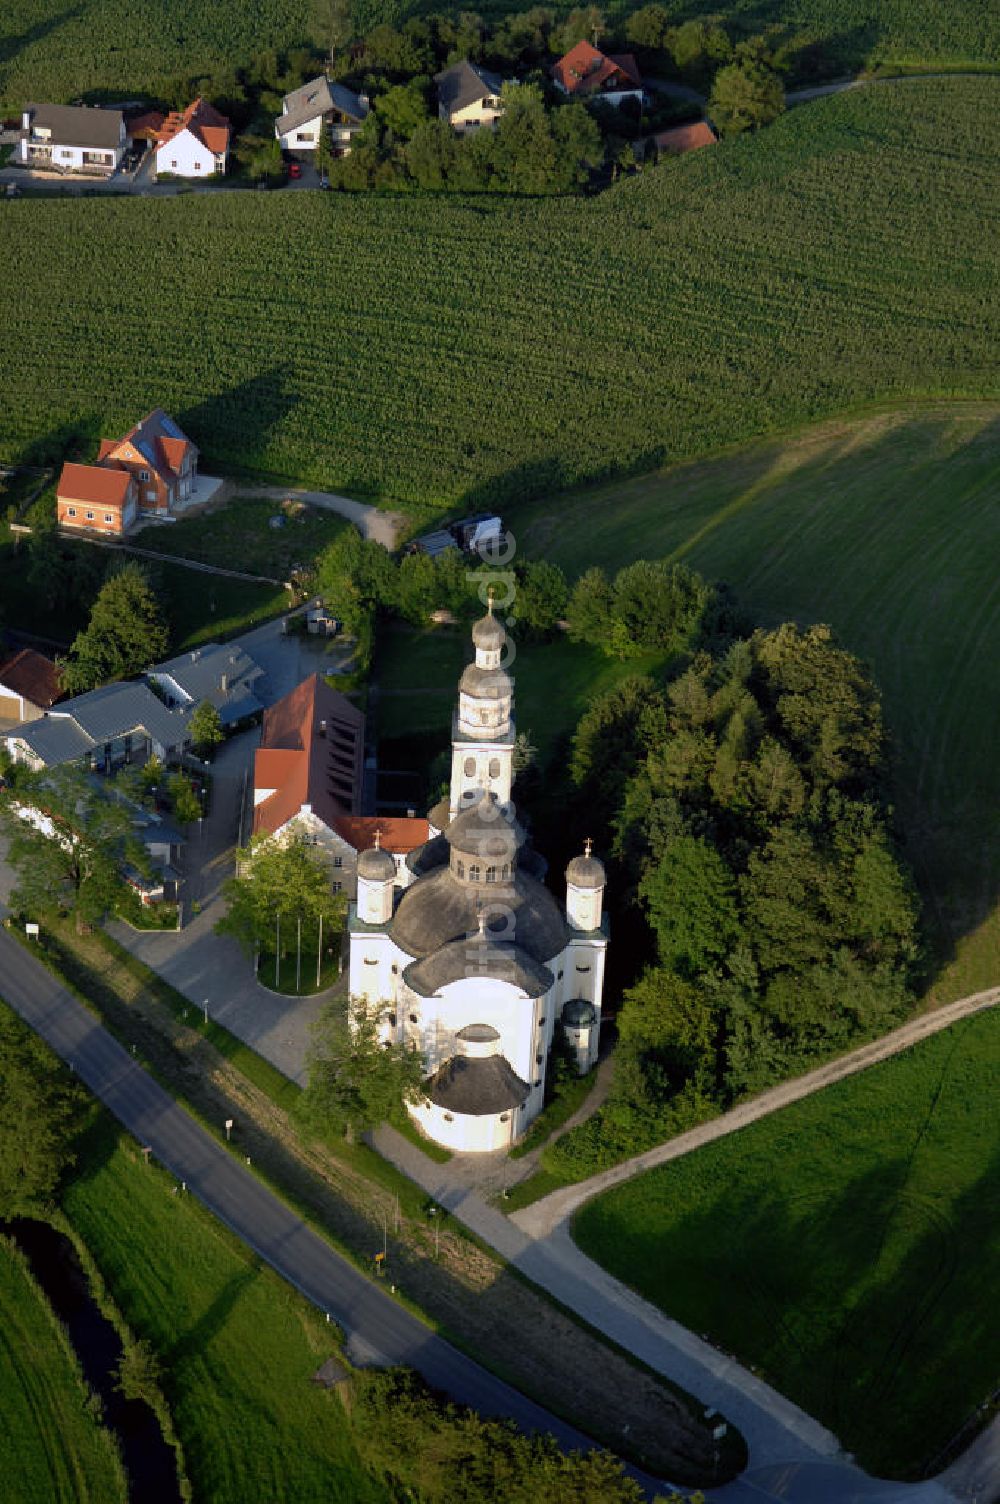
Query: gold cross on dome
{"x": 490, "y": 597}
{"x": 588, "y": 846}
{"x": 378, "y": 839}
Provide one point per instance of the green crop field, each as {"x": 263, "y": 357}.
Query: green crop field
{"x": 55, "y": 1448}
{"x": 443, "y": 351}
{"x": 847, "y": 1246}
{"x": 888, "y": 527}
{"x": 237, "y": 1345}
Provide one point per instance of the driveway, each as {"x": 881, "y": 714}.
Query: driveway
{"x": 381, "y": 526}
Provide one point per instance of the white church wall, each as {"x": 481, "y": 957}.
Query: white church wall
{"x": 465, "y": 1134}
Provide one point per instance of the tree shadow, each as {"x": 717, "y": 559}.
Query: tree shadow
{"x": 14, "y": 43}
{"x": 220, "y": 424}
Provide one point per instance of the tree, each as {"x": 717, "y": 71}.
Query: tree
{"x": 579, "y": 145}
{"x": 139, "y": 1372}
{"x": 541, "y": 598}
{"x": 523, "y": 151}
{"x": 126, "y": 633}
{"x": 404, "y": 109}
{"x": 186, "y": 804}
{"x": 333, "y": 25}
{"x": 647, "y": 28}
{"x": 278, "y": 883}
{"x": 40, "y": 1115}
{"x": 418, "y": 586}
{"x": 588, "y": 611}
{"x": 356, "y": 1081}
{"x": 205, "y": 727}
{"x": 73, "y": 863}
{"x": 692, "y": 903}
{"x": 355, "y": 575}
{"x": 431, "y": 154}
{"x": 745, "y": 95}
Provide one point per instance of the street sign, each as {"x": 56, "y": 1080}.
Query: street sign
{"x": 32, "y": 930}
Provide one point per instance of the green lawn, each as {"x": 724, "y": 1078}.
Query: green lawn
{"x": 446, "y": 352}
{"x": 886, "y": 526}
{"x": 238, "y": 1346}
{"x": 847, "y": 1246}
{"x": 56, "y": 1451}
{"x": 238, "y": 535}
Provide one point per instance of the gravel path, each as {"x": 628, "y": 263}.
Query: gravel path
{"x": 383, "y": 527}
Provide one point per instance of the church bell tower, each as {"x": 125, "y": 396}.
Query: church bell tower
{"x": 483, "y": 727}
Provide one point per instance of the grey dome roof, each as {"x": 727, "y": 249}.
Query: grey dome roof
{"x": 478, "y": 1033}
{"x": 486, "y": 683}
{"x": 478, "y": 956}
{"x": 437, "y": 909}
{"x": 485, "y": 831}
{"x": 428, "y": 857}
{"x": 579, "y": 1014}
{"x": 440, "y": 815}
{"x": 477, "y": 1087}
{"x": 488, "y": 633}
{"x": 377, "y": 865}
{"x": 586, "y": 872}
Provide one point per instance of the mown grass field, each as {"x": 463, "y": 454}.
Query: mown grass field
{"x": 56, "y": 1451}
{"x": 237, "y": 1345}
{"x": 239, "y": 535}
{"x": 439, "y": 351}
{"x": 888, "y": 527}
{"x": 846, "y": 1246}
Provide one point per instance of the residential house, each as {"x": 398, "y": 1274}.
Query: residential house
{"x": 29, "y": 685}
{"x": 103, "y": 730}
{"x": 72, "y": 138}
{"x": 160, "y": 457}
{"x": 318, "y": 105}
{"x": 468, "y": 97}
{"x": 308, "y": 775}
{"x": 151, "y": 471}
{"x": 586, "y": 73}
{"x": 682, "y": 138}
{"x": 97, "y": 499}
{"x": 193, "y": 143}
{"x": 222, "y": 674}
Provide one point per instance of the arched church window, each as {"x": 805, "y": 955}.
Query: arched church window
{"x": 474, "y": 873}
{"x": 413, "y": 1018}
{"x": 392, "y": 1020}
{"x": 505, "y": 1117}
{"x": 491, "y": 874}
{"x": 448, "y": 1118}
{"x": 371, "y": 960}
{"x": 459, "y": 867}
{"x": 494, "y": 767}
{"x": 469, "y": 767}
{"x": 484, "y": 716}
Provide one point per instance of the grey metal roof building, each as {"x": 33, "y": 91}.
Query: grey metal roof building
{"x": 76, "y": 125}
{"x": 220, "y": 673}
{"x": 89, "y": 724}
{"x": 464, "y": 83}
{"x": 318, "y": 97}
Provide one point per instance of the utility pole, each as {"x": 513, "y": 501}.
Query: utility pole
{"x": 319, "y": 953}
{"x": 298, "y": 956}
{"x": 277, "y": 946}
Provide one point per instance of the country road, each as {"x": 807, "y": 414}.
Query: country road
{"x": 379, "y": 1329}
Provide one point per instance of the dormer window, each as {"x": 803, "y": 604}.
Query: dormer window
{"x": 143, "y": 474}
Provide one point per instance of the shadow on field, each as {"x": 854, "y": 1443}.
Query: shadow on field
{"x": 14, "y": 43}
{"x": 257, "y": 406}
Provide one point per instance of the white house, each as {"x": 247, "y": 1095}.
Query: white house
{"x": 318, "y": 105}
{"x": 72, "y": 138}
{"x": 474, "y": 962}
{"x": 469, "y": 97}
{"x": 193, "y": 143}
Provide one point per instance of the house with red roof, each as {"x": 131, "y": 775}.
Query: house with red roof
{"x": 307, "y": 784}
{"x": 152, "y": 470}
{"x": 29, "y": 685}
{"x": 683, "y": 138}
{"x": 193, "y": 143}
{"x": 586, "y": 73}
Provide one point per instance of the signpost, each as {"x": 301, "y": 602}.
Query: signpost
{"x": 31, "y": 930}
{"x": 229, "y": 1128}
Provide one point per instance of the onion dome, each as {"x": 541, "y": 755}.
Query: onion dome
{"x": 586, "y": 871}
{"x": 579, "y": 1014}
{"x": 375, "y": 864}
{"x": 486, "y": 683}
{"x": 488, "y": 634}
{"x": 484, "y": 830}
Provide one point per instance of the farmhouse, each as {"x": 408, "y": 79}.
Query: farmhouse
{"x": 29, "y": 686}
{"x": 151, "y": 470}
{"x": 308, "y": 774}
{"x": 584, "y": 72}
{"x": 468, "y": 97}
{"x": 71, "y": 138}
{"x": 474, "y": 962}
{"x": 317, "y": 106}
{"x": 193, "y": 143}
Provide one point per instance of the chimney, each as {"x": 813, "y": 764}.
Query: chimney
{"x": 322, "y": 728}
{"x": 411, "y": 814}
{"x": 224, "y": 683}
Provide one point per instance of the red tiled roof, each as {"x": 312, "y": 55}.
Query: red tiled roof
{"x": 145, "y": 127}
{"x": 163, "y": 450}
{"x": 398, "y": 833}
{"x": 685, "y": 138}
{"x": 203, "y": 121}
{"x": 322, "y": 735}
{"x": 32, "y": 675}
{"x": 103, "y": 485}
{"x": 585, "y": 70}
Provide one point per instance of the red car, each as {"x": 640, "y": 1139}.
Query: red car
{"x": 295, "y": 169}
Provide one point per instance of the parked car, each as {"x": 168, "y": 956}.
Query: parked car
{"x": 295, "y": 169}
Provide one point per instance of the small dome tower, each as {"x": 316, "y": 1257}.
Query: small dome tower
{"x": 376, "y": 876}
{"x": 586, "y": 880}
{"x": 483, "y": 727}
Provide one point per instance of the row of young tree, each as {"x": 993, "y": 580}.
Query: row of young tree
{"x": 745, "y": 806}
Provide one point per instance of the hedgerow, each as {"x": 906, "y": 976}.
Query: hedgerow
{"x": 442, "y": 349}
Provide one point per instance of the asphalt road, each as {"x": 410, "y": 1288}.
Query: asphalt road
{"x": 377, "y": 1326}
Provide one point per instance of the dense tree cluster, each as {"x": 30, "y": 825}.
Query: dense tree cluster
{"x": 744, "y": 803}
{"x": 278, "y": 886}
{"x": 435, "y": 1451}
{"x": 355, "y": 1080}
{"x": 125, "y": 634}
{"x": 40, "y": 1115}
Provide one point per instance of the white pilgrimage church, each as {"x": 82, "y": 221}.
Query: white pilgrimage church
{"x": 466, "y": 955}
